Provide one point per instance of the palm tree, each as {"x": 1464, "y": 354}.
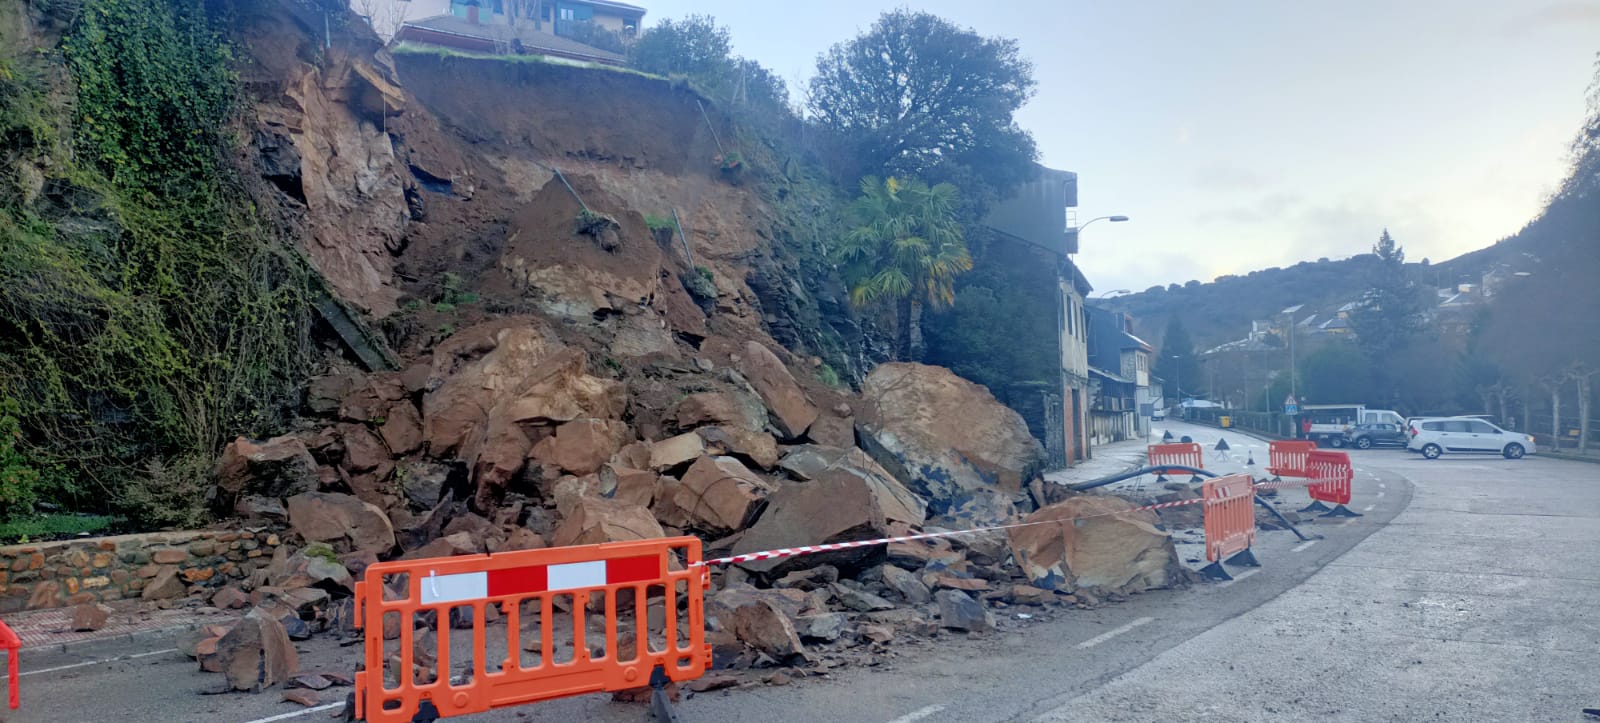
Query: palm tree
{"x": 905, "y": 246}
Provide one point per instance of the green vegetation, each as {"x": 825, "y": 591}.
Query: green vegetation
{"x": 148, "y": 314}
{"x": 658, "y": 223}
{"x": 829, "y": 376}
{"x": 960, "y": 89}
{"x": 47, "y": 527}
{"x": 906, "y": 246}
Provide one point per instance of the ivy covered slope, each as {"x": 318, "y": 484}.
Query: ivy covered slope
{"x": 146, "y": 310}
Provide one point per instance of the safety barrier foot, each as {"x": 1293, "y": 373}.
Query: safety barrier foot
{"x": 1195, "y": 479}
{"x": 1342, "y": 511}
{"x": 1316, "y": 506}
{"x": 426, "y": 713}
{"x": 1161, "y": 478}
{"x": 1245, "y": 558}
{"x": 1215, "y": 571}
{"x": 660, "y": 702}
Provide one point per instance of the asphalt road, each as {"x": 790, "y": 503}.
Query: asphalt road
{"x": 1471, "y": 600}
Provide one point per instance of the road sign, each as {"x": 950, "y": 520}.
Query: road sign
{"x": 1290, "y": 406}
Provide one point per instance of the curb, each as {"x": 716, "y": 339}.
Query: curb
{"x": 1569, "y": 457}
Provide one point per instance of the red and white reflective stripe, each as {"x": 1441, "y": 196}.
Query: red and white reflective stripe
{"x": 471, "y": 586}
{"x": 813, "y": 549}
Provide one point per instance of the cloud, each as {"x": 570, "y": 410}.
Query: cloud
{"x": 1228, "y": 177}
{"x": 1560, "y": 16}
{"x": 1184, "y": 135}
{"x": 1268, "y": 208}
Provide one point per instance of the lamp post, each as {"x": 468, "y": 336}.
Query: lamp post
{"x": 1178, "y": 382}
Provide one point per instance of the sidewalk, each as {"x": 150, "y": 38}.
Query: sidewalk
{"x": 1109, "y": 459}
{"x": 53, "y": 626}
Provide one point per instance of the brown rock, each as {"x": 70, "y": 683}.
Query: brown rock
{"x": 460, "y": 543}
{"x": 304, "y": 697}
{"x": 757, "y": 448}
{"x": 340, "y": 519}
{"x": 833, "y": 431}
{"x": 206, "y": 652}
{"x": 167, "y": 584}
{"x": 594, "y": 520}
{"x": 635, "y": 455}
{"x": 198, "y": 574}
{"x": 363, "y": 450}
{"x": 310, "y": 681}
{"x": 762, "y": 626}
{"x": 276, "y": 468}
{"x": 1029, "y": 595}
{"x": 522, "y": 538}
{"x": 229, "y": 597}
{"x": 944, "y": 436}
{"x": 941, "y": 580}
{"x": 727, "y": 409}
{"x": 46, "y": 594}
{"x": 582, "y": 445}
{"x": 719, "y": 494}
{"x": 670, "y": 453}
{"x": 1119, "y": 552}
{"x": 402, "y": 428}
{"x": 325, "y": 393}
{"x": 169, "y": 556}
{"x": 256, "y": 654}
{"x": 791, "y": 412}
{"x": 851, "y": 499}
{"x": 634, "y": 486}
{"x": 89, "y": 617}
{"x": 709, "y": 683}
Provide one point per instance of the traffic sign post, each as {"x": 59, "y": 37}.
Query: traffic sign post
{"x": 1290, "y": 406}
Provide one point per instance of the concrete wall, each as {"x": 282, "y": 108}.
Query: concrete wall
{"x": 73, "y": 572}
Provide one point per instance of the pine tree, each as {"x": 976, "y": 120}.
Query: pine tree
{"x": 1183, "y": 370}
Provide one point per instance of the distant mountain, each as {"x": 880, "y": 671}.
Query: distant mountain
{"x": 1222, "y": 310}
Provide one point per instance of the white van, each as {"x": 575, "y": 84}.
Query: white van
{"x": 1435, "y": 436}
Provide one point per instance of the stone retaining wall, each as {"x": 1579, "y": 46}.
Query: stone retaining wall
{"x": 153, "y": 566}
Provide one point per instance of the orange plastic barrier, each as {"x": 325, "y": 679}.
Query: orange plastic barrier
{"x": 634, "y": 590}
{"x": 1187, "y": 454}
{"x": 12, "y": 645}
{"x": 1287, "y": 458}
{"x": 1230, "y": 516}
{"x": 1331, "y": 474}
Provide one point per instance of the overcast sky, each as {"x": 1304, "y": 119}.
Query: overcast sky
{"x": 1244, "y": 134}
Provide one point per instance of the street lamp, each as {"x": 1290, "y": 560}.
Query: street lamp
{"x": 1178, "y": 382}
{"x": 1294, "y": 391}
{"x": 1113, "y": 219}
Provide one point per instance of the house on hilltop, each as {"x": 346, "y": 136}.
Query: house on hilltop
{"x": 578, "y": 30}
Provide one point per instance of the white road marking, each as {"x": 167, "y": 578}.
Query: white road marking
{"x": 915, "y": 715}
{"x": 1349, "y": 522}
{"x": 319, "y": 708}
{"x": 1302, "y": 546}
{"x": 1380, "y": 493}
{"x": 1114, "y": 632}
{"x": 26, "y": 673}
{"x": 1368, "y": 508}
{"x": 1382, "y": 486}
{"x": 1238, "y": 577}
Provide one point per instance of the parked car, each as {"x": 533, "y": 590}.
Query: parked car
{"x": 1367, "y": 436}
{"x": 1433, "y": 437}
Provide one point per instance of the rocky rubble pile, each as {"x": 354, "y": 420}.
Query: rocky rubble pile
{"x": 506, "y": 439}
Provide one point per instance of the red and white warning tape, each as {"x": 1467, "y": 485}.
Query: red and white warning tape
{"x": 830, "y": 547}
{"x": 1285, "y": 485}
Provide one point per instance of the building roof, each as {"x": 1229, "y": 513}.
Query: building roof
{"x": 1309, "y": 321}
{"x": 1108, "y": 375}
{"x": 1335, "y": 323}
{"x": 623, "y": 8}
{"x": 1352, "y": 306}
{"x": 534, "y": 41}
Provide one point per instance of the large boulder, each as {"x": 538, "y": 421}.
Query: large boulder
{"x": 592, "y": 520}
{"x": 719, "y": 495}
{"x": 1091, "y": 546}
{"x": 944, "y": 436}
{"x": 482, "y": 407}
{"x": 729, "y": 409}
{"x": 791, "y": 412}
{"x": 276, "y": 468}
{"x": 342, "y": 520}
{"x": 256, "y": 654}
{"x": 852, "y": 498}
{"x": 757, "y": 448}
{"x": 581, "y": 446}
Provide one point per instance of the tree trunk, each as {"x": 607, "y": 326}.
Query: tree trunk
{"x": 902, "y": 340}
{"x": 1583, "y": 414}
{"x": 1500, "y": 396}
{"x": 1555, "y": 416}
{"x": 914, "y": 332}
